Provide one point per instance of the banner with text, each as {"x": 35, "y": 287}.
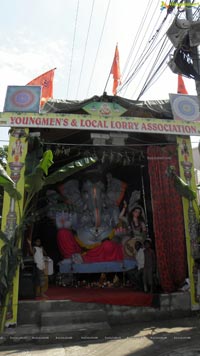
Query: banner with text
{"x": 90, "y": 122}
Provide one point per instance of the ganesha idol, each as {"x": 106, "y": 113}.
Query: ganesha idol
{"x": 92, "y": 211}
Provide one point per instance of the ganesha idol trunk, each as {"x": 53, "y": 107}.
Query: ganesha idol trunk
{"x": 99, "y": 231}
{"x": 97, "y": 220}
{"x": 95, "y": 208}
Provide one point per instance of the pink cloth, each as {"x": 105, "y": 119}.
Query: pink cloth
{"x": 66, "y": 243}
{"x": 108, "y": 250}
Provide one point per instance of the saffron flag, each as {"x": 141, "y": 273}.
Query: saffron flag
{"x": 181, "y": 85}
{"x": 115, "y": 71}
{"x": 45, "y": 80}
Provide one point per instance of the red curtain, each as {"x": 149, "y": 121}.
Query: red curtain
{"x": 168, "y": 219}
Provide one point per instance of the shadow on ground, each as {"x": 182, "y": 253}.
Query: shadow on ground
{"x": 168, "y": 337}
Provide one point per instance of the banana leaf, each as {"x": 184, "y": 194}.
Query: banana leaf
{"x": 184, "y": 189}
{"x": 4, "y": 282}
{"x": 46, "y": 161}
{"x": 12, "y": 191}
{"x": 4, "y": 177}
{"x": 69, "y": 169}
{"x": 35, "y": 181}
{"x": 8, "y": 184}
{"x": 181, "y": 187}
{"x": 3, "y": 237}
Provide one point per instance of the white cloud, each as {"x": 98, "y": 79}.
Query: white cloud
{"x": 28, "y": 59}
{"x": 22, "y": 63}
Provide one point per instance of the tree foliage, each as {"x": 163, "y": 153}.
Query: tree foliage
{"x": 3, "y": 155}
{"x": 34, "y": 182}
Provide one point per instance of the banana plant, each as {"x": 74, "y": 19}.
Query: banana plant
{"x": 35, "y": 181}
{"x": 181, "y": 187}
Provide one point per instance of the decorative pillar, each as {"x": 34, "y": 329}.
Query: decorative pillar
{"x": 191, "y": 217}
{"x": 11, "y": 210}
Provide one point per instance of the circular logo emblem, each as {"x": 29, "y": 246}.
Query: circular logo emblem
{"x": 186, "y": 108}
{"x": 23, "y": 98}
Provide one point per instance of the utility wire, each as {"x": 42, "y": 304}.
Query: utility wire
{"x": 78, "y": 144}
{"x": 154, "y": 64}
{"x": 137, "y": 36}
{"x": 86, "y": 42}
{"x": 155, "y": 70}
{"x": 141, "y": 61}
{"x": 140, "y": 46}
{"x": 158, "y": 71}
{"x": 137, "y": 88}
{"x": 102, "y": 31}
{"x": 140, "y": 65}
{"x": 108, "y": 78}
{"x": 157, "y": 75}
{"x": 146, "y": 85}
{"x": 156, "y": 78}
{"x": 75, "y": 25}
{"x": 196, "y": 14}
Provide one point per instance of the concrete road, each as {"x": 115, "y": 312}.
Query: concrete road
{"x": 167, "y": 338}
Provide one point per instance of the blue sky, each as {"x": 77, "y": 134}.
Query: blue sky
{"x": 38, "y": 35}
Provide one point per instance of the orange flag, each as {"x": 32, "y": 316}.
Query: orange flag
{"x": 115, "y": 71}
{"x": 46, "y": 82}
{"x": 181, "y": 85}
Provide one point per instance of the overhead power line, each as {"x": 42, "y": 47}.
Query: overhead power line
{"x": 157, "y": 76}
{"x": 73, "y": 43}
{"x": 151, "y": 77}
{"x": 137, "y": 36}
{"x": 86, "y": 42}
{"x": 139, "y": 46}
{"x": 155, "y": 62}
{"x": 140, "y": 64}
{"x": 144, "y": 60}
{"x": 102, "y": 31}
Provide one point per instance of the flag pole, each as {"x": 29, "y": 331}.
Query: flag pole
{"x": 107, "y": 80}
{"x": 110, "y": 70}
{"x": 104, "y": 92}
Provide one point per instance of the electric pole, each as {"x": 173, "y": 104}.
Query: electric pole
{"x": 195, "y": 50}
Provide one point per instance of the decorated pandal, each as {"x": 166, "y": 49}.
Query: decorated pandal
{"x": 93, "y": 229}
{"x": 92, "y": 211}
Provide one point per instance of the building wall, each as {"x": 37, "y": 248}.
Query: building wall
{"x": 196, "y": 160}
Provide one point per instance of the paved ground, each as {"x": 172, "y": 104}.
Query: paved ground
{"x": 167, "y": 338}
